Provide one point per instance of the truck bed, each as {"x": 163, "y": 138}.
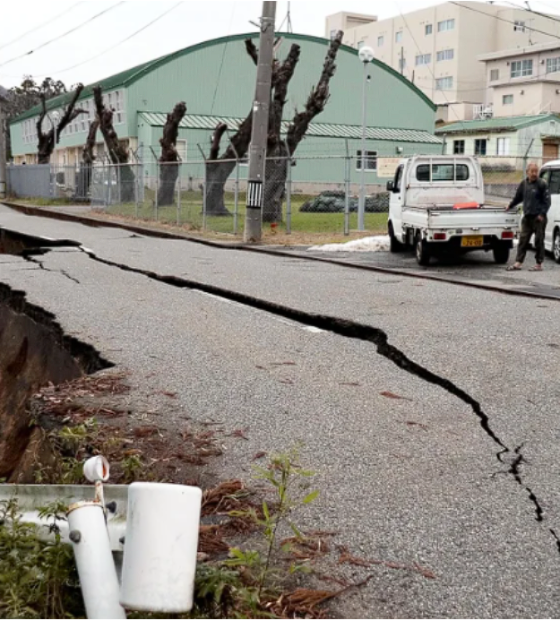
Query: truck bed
{"x": 485, "y": 217}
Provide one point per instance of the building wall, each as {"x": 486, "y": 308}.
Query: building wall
{"x": 479, "y": 28}
{"x": 24, "y": 134}
{"x": 347, "y": 22}
{"x": 219, "y": 79}
{"x": 531, "y": 94}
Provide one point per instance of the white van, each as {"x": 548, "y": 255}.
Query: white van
{"x": 550, "y": 172}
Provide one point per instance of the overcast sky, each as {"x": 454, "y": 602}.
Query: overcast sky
{"x": 188, "y": 23}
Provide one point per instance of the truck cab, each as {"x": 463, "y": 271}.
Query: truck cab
{"x": 437, "y": 207}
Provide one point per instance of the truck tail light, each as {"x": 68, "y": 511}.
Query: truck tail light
{"x": 508, "y": 235}
{"x": 440, "y": 236}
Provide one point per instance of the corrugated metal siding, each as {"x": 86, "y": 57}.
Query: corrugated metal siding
{"x": 219, "y": 80}
{"x": 322, "y": 130}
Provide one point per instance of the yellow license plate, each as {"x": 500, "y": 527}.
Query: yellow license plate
{"x": 472, "y": 242}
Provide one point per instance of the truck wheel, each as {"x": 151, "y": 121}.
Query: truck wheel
{"x": 396, "y": 246}
{"x": 501, "y": 253}
{"x": 556, "y": 246}
{"x": 423, "y": 255}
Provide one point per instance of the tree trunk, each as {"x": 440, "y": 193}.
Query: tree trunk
{"x": 88, "y": 159}
{"x": 117, "y": 152}
{"x": 217, "y": 174}
{"x": 169, "y": 160}
{"x": 276, "y": 174}
{"x": 48, "y": 141}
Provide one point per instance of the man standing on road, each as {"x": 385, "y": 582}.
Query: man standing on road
{"x": 535, "y": 196}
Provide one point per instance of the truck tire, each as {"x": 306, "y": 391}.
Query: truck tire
{"x": 395, "y": 245}
{"x": 501, "y": 253}
{"x": 423, "y": 255}
{"x": 556, "y": 246}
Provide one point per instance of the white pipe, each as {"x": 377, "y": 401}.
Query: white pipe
{"x": 160, "y": 551}
{"x": 94, "y": 559}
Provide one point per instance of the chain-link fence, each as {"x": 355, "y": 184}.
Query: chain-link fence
{"x": 211, "y": 196}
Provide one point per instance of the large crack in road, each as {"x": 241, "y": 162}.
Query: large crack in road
{"x": 354, "y": 331}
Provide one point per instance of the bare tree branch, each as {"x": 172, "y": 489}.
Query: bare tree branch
{"x": 252, "y": 50}
{"x": 88, "y": 155}
{"x": 283, "y": 75}
{"x": 171, "y": 133}
{"x": 317, "y": 99}
{"x": 71, "y": 113}
{"x": 221, "y": 128}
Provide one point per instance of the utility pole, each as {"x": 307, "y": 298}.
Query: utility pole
{"x": 259, "y": 136}
{"x": 3, "y": 171}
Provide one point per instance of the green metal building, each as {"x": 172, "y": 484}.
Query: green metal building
{"x": 217, "y": 80}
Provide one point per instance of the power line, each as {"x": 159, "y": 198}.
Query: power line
{"x": 43, "y": 25}
{"x": 110, "y": 49}
{"x": 503, "y": 19}
{"x": 429, "y": 67}
{"x": 72, "y": 30}
{"x": 529, "y": 10}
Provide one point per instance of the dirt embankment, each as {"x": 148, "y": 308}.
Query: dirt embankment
{"x": 34, "y": 351}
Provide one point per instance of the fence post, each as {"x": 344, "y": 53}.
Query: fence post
{"x": 179, "y": 181}
{"x": 289, "y": 194}
{"x": 347, "y": 172}
{"x": 204, "y": 188}
{"x": 236, "y": 208}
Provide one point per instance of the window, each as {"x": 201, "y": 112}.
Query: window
{"x": 519, "y": 26}
{"x": 442, "y": 173}
{"x": 521, "y": 68}
{"x": 398, "y": 37}
{"x": 480, "y": 147}
{"x": 554, "y": 182}
{"x": 507, "y": 100}
{"x": 445, "y": 83}
{"x": 445, "y": 55}
{"x": 459, "y": 147}
{"x": 361, "y": 44}
{"x": 503, "y": 147}
{"x": 553, "y": 65}
{"x": 423, "y": 59}
{"x": 333, "y": 34}
{"x": 494, "y": 75}
{"x": 429, "y": 29}
{"x": 399, "y": 178}
{"x": 371, "y": 160}
{"x": 444, "y": 26}
{"x": 182, "y": 150}
{"x": 380, "y": 41}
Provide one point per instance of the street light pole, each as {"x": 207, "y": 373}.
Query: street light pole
{"x": 366, "y": 55}
{"x": 259, "y": 137}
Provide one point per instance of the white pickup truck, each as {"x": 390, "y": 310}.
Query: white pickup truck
{"x": 437, "y": 207}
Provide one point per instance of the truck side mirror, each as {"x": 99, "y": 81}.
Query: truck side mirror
{"x": 390, "y": 186}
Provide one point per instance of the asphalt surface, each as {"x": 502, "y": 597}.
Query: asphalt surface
{"x": 410, "y": 481}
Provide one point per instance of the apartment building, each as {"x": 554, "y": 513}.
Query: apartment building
{"x": 523, "y": 81}
{"x": 439, "y": 48}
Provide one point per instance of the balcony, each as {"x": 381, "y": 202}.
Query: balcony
{"x": 483, "y": 111}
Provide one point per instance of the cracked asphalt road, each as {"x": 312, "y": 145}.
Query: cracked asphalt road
{"x": 406, "y": 481}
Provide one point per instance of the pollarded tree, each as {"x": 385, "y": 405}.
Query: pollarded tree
{"x": 219, "y": 168}
{"x": 88, "y": 159}
{"x": 170, "y": 160}
{"x": 48, "y": 140}
{"x": 279, "y": 147}
{"x": 118, "y": 153}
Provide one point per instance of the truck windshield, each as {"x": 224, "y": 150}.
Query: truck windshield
{"x": 442, "y": 172}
